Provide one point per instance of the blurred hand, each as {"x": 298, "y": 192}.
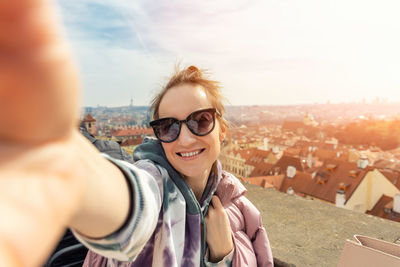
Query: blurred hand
{"x": 39, "y": 86}
{"x": 40, "y": 190}
{"x": 40, "y": 174}
{"x": 219, "y": 237}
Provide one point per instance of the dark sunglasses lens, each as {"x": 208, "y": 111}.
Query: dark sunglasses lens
{"x": 201, "y": 123}
{"x": 167, "y": 130}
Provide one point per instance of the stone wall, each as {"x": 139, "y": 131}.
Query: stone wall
{"x": 306, "y": 232}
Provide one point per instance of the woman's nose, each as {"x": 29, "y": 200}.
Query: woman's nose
{"x": 186, "y": 137}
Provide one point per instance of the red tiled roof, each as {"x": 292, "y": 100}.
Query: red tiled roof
{"x": 303, "y": 144}
{"x": 132, "y": 142}
{"x": 132, "y": 132}
{"x": 261, "y": 169}
{"x": 253, "y": 155}
{"x": 344, "y": 156}
{"x": 335, "y": 175}
{"x": 286, "y": 161}
{"x": 266, "y": 181}
{"x": 275, "y": 180}
{"x": 258, "y": 181}
{"x": 291, "y": 152}
{"x": 325, "y": 154}
{"x": 277, "y": 141}
{"x": 317, "y": 144}
{"x": 383, "y": 163}
{"x": 293, "y": 125}
{"x": 383, "y": 209}
{"x": 300, "y": 182}
{"x": 392, "y": 176}
{"x": 88, "y": 118}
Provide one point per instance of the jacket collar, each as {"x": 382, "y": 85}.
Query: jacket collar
{"x": 221, "y": 183}
{"x": 229, "y": 188}
{"x": 151, "y": 149}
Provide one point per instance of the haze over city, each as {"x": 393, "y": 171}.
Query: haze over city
{"x": 263, "y": 52}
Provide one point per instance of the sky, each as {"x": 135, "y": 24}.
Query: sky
{"x": 264, "y": 52}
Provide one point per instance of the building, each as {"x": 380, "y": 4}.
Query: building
{"x": 131, "y": 133}
{"x": 130, "y": 144}
{"x": 243, "y": 162}
{"x": 90, "y": 124}
{"x": 387, "y": 207}
{"x": 372, "y": 187}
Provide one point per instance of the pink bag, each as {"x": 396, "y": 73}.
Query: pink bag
{"x": 366, "y": 251}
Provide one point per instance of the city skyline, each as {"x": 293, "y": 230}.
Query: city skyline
{"x": 375, "y": 101}
{"x": 263, "y": 52}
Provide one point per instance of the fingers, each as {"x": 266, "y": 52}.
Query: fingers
{"x": 216, "y": 203}
{"x": 25, "y": 25}
{"x": 39, "y": 87}
{"x": 215, "y": 209}
{"x": 219, "y": 236}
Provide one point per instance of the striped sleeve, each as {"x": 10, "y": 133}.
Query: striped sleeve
{"x": 145, "y": 182}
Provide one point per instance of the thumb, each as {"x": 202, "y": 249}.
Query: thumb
{"x": 216, "y": 202}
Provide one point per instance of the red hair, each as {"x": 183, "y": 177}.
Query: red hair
{"x": 192, "y": 75}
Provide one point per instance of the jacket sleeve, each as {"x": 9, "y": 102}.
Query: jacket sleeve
{"x": 145, "y": 182}
{"x": 225, "y": 262}
{"x": 256, "y": 232}
{"x": 111, "y": 148}
{"x": 94, "y": 260}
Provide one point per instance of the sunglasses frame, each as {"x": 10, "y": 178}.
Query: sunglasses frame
{"x": 213, "y": 111}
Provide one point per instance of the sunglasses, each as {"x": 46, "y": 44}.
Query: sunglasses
{"x": 200, "y": 123}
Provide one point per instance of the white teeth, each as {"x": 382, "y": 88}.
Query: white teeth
{"x": 190, "y": 154}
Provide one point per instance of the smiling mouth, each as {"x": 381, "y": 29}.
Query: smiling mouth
{"x": 192, "y": 154}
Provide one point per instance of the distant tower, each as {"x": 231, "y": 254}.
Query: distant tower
{"x": 131, "y": 102}
{"x": 309, "y": 120}
{"x": 90, "y": 124}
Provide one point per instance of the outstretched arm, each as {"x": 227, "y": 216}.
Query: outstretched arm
{"x": 50, "y": 176}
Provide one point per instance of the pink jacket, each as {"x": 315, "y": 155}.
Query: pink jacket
{"x": 252, "y": 246}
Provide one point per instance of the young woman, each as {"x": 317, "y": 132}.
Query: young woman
{"x": 197, "y": 212}
{"x": 156, "y": 212}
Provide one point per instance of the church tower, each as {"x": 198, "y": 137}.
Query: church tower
{"x": 90, "y": 124}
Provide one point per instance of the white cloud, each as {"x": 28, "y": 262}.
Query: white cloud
{"x": 263, "y": 51}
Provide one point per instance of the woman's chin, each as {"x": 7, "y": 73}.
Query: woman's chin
{"x": 195, "y": 174}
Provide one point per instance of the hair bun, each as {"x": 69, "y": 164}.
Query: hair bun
{"x": 193, "y": 69}
{"x": 194, "y": 72}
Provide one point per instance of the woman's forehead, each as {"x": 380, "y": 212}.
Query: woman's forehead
{"x": 180, "y": 101}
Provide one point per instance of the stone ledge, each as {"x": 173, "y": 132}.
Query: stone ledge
{"x": 306, "y": 232}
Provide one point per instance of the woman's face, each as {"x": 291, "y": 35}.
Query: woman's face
{"x": 179, "y": 102}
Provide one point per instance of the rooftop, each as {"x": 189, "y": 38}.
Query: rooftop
{"x": 383, "y": 208}
{"x": 89, "y": 118}
{"x": 286, "y": 161}
{"x": 129, "y": 132}
{"x": 307, "y": 232}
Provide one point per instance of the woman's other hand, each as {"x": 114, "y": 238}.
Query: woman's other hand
{"x": 219, "y": 237}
